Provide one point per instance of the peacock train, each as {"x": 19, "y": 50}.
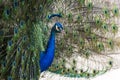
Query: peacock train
{"x": 71, "y": 38}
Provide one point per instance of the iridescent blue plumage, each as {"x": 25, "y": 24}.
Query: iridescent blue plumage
{"x": 47, "y": 56}
{"x": 53, "y": 15}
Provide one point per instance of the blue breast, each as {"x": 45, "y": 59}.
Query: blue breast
{"x": 46, "y": 58}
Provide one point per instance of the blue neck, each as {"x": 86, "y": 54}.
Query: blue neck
{"x": 51, "y": 43}
{"x": 47, "y": 57}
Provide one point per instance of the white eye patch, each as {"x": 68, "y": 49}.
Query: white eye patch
{"x": 56, "y": 28}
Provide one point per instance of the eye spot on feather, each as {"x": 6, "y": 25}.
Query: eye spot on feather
{"x": 94, "y": 71}
{"x": 110, "y": 63}
{"x": 15, "y": 4}
{"x": 15, "y": 30}
{"x": 115, "y": 11}
{"x": 105, "y": 11}
{"x": 73, "y": 68}
{"x": 3, "y": 64}
{"x": 74, "y": 62}
{"x": 81, "y": 71}
{"x": 7, "y": 12}
{"x": 76, "y": 71}
{"x": 18, "y": 49}
{"x": 57, "y": 67}
{"x": 9, "y": 78}
{"x": 110, "y": 43}
{"x": 89, "y": 5}
{"x": 10, "y": 43}
{"x": 68, "y": 70}
{"x": 63, "y": 60}
{"x": 97, "y": 21}
{"x": 88, "y": 75}
{"x": 63, "y": 71}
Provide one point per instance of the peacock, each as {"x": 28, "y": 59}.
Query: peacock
{"x": 30, "y": 43}
{"x": 46, "y": 57}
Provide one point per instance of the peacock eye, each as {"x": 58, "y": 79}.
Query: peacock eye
{"x": 110, "y": 63}
{"x": 58, "y": 28}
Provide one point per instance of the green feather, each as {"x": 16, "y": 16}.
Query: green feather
{"x": 89, "y": 6}
{"x": 105, "y": 27}
{"x": 106, "y": 12}
{"x": 114, "y": 28}
{"x": 115, "y": 11}
{"x": 100, "y": 46}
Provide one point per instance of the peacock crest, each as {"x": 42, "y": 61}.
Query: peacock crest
{"x": 86, "y": 48}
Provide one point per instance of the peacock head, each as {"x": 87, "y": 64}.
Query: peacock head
{"x": 58, "y": 27}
